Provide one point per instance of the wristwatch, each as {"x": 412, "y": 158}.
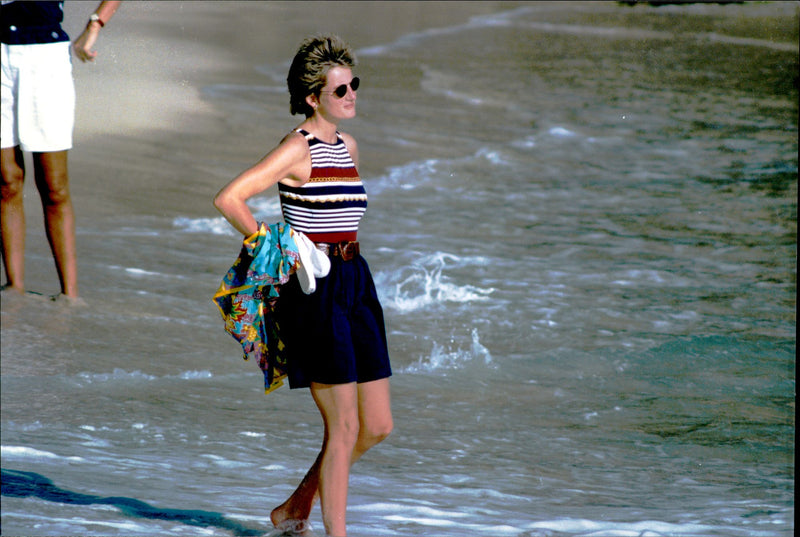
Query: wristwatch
{"x": 94, "y": 17}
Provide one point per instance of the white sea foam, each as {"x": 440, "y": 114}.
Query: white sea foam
{"x": 411, "y": 39}
{"x": 117, "y": 374}
{"x": 252, "y": 434}
{"x": 70, "y": 524}
{"x": 122, "y": 374}
{"x": 214, "y": 226}
{"x": 225, "y": 463}
{"x": 137, "y": 272}
{"x": 23, "y": 452}
{"x": 528, "y": 142}
{"x": 494, "y": 156}
{"x": 265, "y": 209}
{"x": 411, "y": 511}
{"x": 423, "y": 283}
{"x": 194, "y": 375}
{"x": 647, "y": 528}
{"x": 443, "y": 357}
{"x": 493, "y": 530}
{"x": 407, "y": 176}
{"x": 439, "y": 83}
{"x": 561, "y": 132}
{"x": 413, "y": 175}
{"x": 140, "y": 272}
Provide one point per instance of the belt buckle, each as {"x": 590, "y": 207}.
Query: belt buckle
{"x": 348, "y": 250}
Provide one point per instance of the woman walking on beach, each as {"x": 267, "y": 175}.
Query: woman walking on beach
{"x": 335, "y": 337}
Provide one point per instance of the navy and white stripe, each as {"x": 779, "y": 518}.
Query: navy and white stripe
{"x": 329, "y": 207}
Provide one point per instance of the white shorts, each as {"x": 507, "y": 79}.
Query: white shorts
{"x": 38, "y": 97}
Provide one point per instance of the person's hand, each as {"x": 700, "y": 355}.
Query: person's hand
{"x": 83, "y": 45}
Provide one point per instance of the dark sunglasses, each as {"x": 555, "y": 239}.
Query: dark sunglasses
{"x": 341, "y": 91}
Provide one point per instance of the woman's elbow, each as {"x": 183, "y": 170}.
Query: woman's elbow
{"x": 222, "y": 201}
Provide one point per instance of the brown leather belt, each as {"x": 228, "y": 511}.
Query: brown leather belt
{"x": 347, "y": 250}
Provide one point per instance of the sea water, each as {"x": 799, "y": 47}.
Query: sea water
{"x": 582, "y": 225}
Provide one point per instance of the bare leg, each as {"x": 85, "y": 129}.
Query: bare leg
{"x": 12, "y": 216}
{"x": 375, "y": 424}
{"x": 338, "y": 404}
{"x": 52, "y": 180}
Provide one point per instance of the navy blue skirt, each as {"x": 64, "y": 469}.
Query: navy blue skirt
{"x": 336, "y": 335}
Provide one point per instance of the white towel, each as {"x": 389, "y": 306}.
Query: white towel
{"x": 313, "y": 263}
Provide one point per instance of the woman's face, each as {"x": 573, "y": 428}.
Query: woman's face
{"x": 331, "y": 104}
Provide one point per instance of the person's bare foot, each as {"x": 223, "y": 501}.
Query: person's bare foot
{"x": 72, "y": 301}
{"x": 289, "y": 522}
{"x": 6, "y": 288}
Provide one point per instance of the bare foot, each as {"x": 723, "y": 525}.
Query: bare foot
{"x": 282, "y": 513}
{"x": 6, "y": 288}
{"x": 72, "y": 301}
{"x": 12, "y": 293}
{"x": 291, "y": 523}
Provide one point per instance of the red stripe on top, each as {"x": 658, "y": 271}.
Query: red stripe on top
{"x": 333, "y": 237}
{"x": 330, "y": 171}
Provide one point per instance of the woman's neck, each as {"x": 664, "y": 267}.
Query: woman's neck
{"x": 321, "y": 128}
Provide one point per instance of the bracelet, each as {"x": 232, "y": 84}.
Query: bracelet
{"x": 96, "y": 18}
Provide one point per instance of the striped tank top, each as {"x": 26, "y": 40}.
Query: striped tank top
{"x": 329, "y": 207}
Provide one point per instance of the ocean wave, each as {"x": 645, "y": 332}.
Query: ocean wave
{"x": 634, "y": 529}
{"x": 407, "y": 176}
{"x": 253, "y": 434}
{"x": 415, "y": 174}
{"x": 24, "y": 452}
{"x": 137, "y": 272}
{"x": 69, "y": 525}
{"x": 441, "y": 84}
{"x": 122, "y": 374}
{"x": 414, "y": 38}
{"x": 444, "y": 357}
{"x": 427, "y": 285}
{"x": 214, "y": 226}
{"x": 264, "y": 208}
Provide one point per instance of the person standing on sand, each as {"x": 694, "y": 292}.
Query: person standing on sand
{"x": 335, "y": 337}
{"x": 38, "y": 114}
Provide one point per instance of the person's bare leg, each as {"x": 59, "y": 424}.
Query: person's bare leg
{"x": 52, "y": 180}
{"x": 12, "y": 217}
{"x": 374, "y": 415}
{"x": 298, "y": 506}
{"x": 375, "y": 424}
{"x": 338, "y": 404}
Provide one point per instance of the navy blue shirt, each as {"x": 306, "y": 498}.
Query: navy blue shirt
{"x": 32, "y": 23}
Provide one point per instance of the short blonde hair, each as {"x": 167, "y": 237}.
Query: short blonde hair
{"x": 315, "y": 57}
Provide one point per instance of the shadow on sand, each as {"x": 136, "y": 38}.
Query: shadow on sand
{"x": 18, "y": 484}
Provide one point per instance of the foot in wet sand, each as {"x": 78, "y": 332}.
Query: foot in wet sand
{"x": 71, "y": 301}
{"x": 13, "y": 293}
{"x": 289, "y": 523}
{"x": 9, "y": 289}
